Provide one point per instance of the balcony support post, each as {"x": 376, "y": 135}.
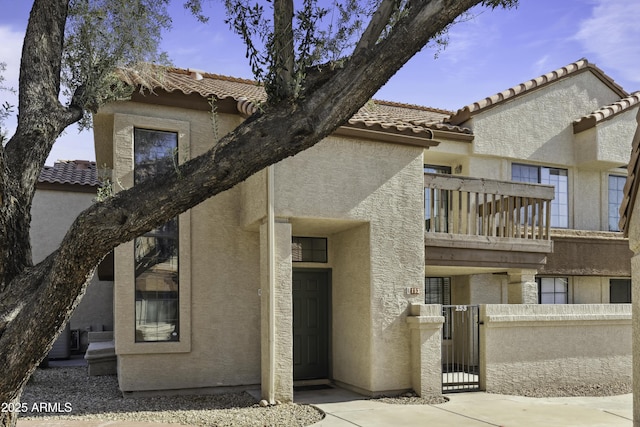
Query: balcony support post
{"x": 522, "y": 287}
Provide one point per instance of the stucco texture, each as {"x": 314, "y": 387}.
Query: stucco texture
{"x": 538, "y": 126}
{"x": 364, "y": 197}
{"x": 528, "y": 346}
{"x": 52, "y": 214}
{"x": 381, "y": 185}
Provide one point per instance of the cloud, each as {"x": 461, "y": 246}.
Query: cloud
{"x": 473, "y": 33}
{"x": 541, "y": 66}
{"x": 10, "y": 50}
{"x": 610, "y": 36}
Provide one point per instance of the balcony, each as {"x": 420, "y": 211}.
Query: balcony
{"x": 483, "y": 225}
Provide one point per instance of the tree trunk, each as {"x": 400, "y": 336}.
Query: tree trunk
{"x": 36, "y": 301}
{"x": 10, "y": 412}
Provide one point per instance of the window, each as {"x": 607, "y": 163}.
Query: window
{"x": 620, "y": 291}
{"x": 156, "y": 252}
{"x": 616, "y": 194}
{"x": 436, "y": 203}
{"x": 550, "y": 176}
{"x": 437, "y": 290}
{"x": 553, "y": 290}
{"x": 308, "y": 249}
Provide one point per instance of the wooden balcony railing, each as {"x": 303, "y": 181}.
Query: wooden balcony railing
{"x": 485, "y": 207}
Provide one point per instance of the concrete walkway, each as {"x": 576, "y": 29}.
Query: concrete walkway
{"x": 474, "y": 409}
{"x": 346, "y": 409}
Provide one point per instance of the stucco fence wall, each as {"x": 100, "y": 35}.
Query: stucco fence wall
{"x": 526, "y": 347}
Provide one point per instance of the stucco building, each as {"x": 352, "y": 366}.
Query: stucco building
{"x": 63, "y": 191}
{"x": 327, "y": 265}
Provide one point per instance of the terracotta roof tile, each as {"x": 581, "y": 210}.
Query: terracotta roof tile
{"x": 377, "y": 115}
{"x": 405, "y": 118}
{"x": 606, "y": 113}
{"x": 76, "y": 172}
{"x": 193, "y": 81}
{"x": 463, "y": 114}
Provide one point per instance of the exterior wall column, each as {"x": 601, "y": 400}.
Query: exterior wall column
{"x": 425, "y": 323}
{"x": 276, "y": 313}
{"x": 522, "y": 287}
{"x": 635, "y": 301}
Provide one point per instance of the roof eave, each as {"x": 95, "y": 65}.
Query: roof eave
{"x": 532, "y": 85}
{"x": 424, "y": 140}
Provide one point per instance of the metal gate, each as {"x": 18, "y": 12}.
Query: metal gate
{"x": 460, "y": 348}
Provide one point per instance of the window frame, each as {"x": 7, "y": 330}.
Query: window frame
{"x": 313, "y": 241}
{"x": 153, "y": 305}
{"x": 627, "y": 283}
{"x": 124, "y": 298}
{"x": 559, "y": 210}
{"x": 555, "y": 292}
{"x": 444, "y": 295}
{"x": 615, "y": 205}
{"x": 441, "y": 202}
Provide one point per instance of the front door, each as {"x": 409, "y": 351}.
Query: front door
{"x": 310, "y": 324}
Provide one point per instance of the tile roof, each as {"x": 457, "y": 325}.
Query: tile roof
{"x": 606, "y": 113}
{"x": 190, "y": 81}
{"x": 463, "y": 114}
{"x": 385, "y": 114}
{"x": 376, "y": 115}
{"x": 75, "y": 172}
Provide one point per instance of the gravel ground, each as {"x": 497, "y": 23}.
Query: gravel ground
{"x": 570, "y": 391}
{"x": 413, "y": 399}
{"x": 72, "y": 394}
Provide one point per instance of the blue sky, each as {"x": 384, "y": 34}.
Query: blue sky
{"x": 488, "y": 53}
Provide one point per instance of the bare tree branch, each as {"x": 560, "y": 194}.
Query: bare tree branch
{"x": 283, "y": 53}
{"x": 378, "y": 23}
{"x": 36, "y": 301}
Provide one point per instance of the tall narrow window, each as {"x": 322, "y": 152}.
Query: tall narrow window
{"x": 553, "y": 290}
{"x": 436, "y": 203}
{"x": 550, "y": 176}
{"x": 616, "y": 194}
{"x": 156, "y": 252}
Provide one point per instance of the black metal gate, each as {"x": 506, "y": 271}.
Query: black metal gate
{"x": 460, "y": 348}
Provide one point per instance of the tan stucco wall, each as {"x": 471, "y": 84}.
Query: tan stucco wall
{"x": 538, "y": 126}
{"x": 635, "y": 290}
{"x": 634, "y": 244}
{"x": 524, "y": 347}
{"x": 219, "y": 275}
{"x": 426, "y": 322}
{"x": 276, "y": 308}
{"x": 488, "y": 288}
{"x": 589, "y": 290}
{"x": 382, "y": 185}
{"x": 493, "y": 288}
{"x": 351, "y": 308}
{"x": 614, "y": 139}
{"x": 365, "y": 197}
{"x": 52, "y": 213}
{"x": 222, "y": 307}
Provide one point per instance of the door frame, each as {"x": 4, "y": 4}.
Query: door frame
{"x": 328, "y": 272}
